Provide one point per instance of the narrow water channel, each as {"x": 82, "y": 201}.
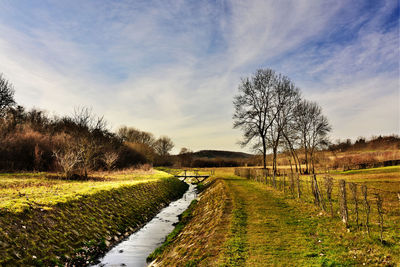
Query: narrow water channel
{"x": 134, "y": 251}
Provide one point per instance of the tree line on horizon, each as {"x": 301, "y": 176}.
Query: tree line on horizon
{"x": 30, "y": 140}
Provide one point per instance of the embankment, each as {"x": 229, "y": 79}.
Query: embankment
{"x": 201, "y": 240}
{"x": 78, "y": 231}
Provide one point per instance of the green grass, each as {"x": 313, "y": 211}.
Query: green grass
{"x": 389, "y": 169}
{"x": 21, "y": 191}
{"x": 83, "y": 220}
{"x": 285, "y": 232}
{"x": 236, "y": 248}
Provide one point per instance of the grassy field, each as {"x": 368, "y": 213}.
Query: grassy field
{"x": 383, "y": 178}
{"x": 20, "y": 191}
{"x": 47, "y": 221}
{"x": 265, "y": 227}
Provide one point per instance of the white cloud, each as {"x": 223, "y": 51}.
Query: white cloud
{"x": 173, "y": 68}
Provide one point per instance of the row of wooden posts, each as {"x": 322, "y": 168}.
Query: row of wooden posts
{"x": 321, "y": 195}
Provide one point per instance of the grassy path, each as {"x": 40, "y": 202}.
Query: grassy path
{"x": 278, "y": 231}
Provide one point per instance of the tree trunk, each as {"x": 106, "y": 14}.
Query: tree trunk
{"x": 295, "y": 162}
{"x": 274, "y": 160}
{"x": 312, "y": 162}
{"x": 264, "y": 153}
{"x": 306, "y": 160}
{"x": 291, "y": 168}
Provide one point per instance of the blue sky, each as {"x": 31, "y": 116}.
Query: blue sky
{"x": 173, "y": 67}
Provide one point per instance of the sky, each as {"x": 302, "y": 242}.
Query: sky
{"x": 173, "y": 67}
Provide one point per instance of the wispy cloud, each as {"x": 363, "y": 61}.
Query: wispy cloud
{"x": 172, "y": 67}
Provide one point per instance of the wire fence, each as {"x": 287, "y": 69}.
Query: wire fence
{"x": 361, "y": 208}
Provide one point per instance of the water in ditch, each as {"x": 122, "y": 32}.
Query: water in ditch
{"x": 134, "y": 251}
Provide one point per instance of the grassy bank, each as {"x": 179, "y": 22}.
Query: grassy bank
{"x": 199, "y": 239}
{"x": 184, "y": 218}
{"x": 73, "y": 222}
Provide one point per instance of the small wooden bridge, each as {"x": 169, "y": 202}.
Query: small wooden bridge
{"x": 189, "y": 176}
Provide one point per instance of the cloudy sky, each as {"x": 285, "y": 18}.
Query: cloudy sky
{"x": 173, "y": 67}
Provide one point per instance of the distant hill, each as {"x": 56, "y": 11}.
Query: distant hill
{"x": 221, "y": 154}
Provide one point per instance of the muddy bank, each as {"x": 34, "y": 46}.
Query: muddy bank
{"x": 201, "y": 240}
{"x": 78, "y": 231}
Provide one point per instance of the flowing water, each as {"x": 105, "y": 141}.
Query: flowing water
{"x": 134, "y": 250}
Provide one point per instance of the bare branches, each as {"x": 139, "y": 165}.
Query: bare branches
{"x": 312, "y": 129}
{"x": 163, "y": 145}
{"x": 6, "y": 95}
{"x": 133, "y": 135}
{"x": 258, "y": 104}
{"x": 68, "y": 161}
{"x": 110, "y": 158}
{"x": 270, "y": 113}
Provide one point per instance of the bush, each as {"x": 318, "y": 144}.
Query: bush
{"x": 128, "y": 156}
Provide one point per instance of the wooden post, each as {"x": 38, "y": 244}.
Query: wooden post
{"x": 315, "y": 189}
{"x": 379, "y": 205}
{"x": 284, "y": 183}
{"x": 265, "y": 175}
{"x": 274, "y": 180}
{"x": 367, "y": 207}
{"x": 343, "y": 202}
{"x": 292, "y": 185}
{"x": 398, "y": 196}
{"x": 298, "y": 186}
{"x": 311, "y": 187}
{"x": 329, "y": 188}
{"x": 353, "y": 189}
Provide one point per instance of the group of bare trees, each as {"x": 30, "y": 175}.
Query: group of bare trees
{"x": 90, "y": 144}
{"x": 146, "y": 142}
{"x": 76, "y": 144}
{"x": 274, "y": 118}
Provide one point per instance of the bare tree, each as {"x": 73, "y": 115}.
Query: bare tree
{"x": 88, "y": 137}
{"x": 313, "y": 128}
{"x": 133, "y": 135}
{"x": 85, "y": 119}
{"x": 110, "y": 158}
{"x": 68, "y": 161}
{"x": 6, "y": 95}
{"x": 286, "y": 98}
{"x": 163, "y": 145}
{"x": 253, "y": 106}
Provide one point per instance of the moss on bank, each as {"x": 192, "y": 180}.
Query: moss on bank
{"x": 78, "y": 231}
